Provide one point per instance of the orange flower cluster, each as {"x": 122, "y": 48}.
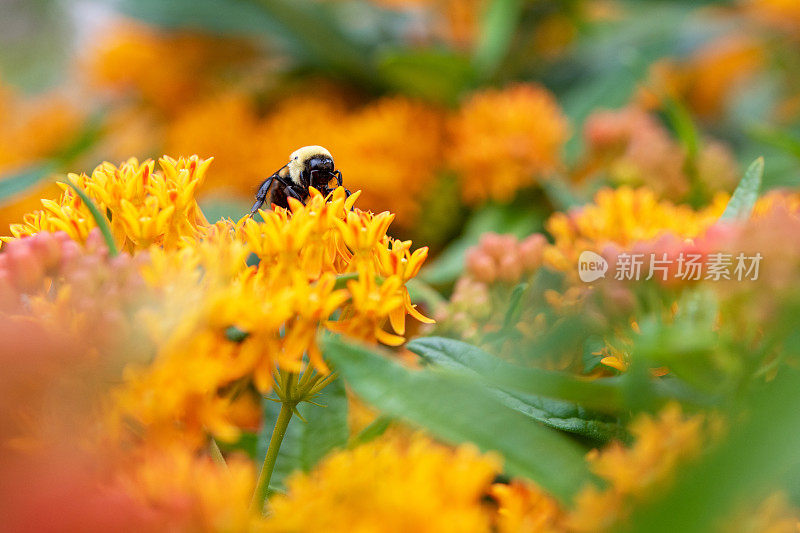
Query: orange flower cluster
{"x": 707, "y": 79}
{"x": 632, "y": 148}
{"x": 502, "y": 140}
{"x": 393, "y": 149}
{"x": 31, "y": 130}
{"x": 395, "y": 484}
{"x": 165, "y": 70}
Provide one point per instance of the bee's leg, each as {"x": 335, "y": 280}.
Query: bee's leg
{"x": 338, "y": 175}
{"x": 291, "y": 191}
{"x": 261, "y": 195}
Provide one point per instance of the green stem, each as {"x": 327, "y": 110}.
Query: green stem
{"x": 260, "y": 494}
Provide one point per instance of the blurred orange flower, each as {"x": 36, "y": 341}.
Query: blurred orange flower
{"x": 396, "y": 484}
{"x": 502, "y": 140}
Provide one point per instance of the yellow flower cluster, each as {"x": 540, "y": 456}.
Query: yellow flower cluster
{"x": 394, "y": 484}
{"x": 143, "y": 206}
{"x": 218, "y": 322}
{"x": 225, "y": 305}
{"x": 623, "y": 217}
{"x": 501, "y": 140}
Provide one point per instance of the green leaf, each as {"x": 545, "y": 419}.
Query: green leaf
{"x": 514, "y": 308}
{"x": 458, "y": 409}
{"x": 20, "y": 180}
{"x": 437, "y": 76}
{"x": 498, "y": 27}
{"x": 558, "y": 414}
{"x": 326, "y": 424}
{"x": 681, "y": 120}
{"x": 565, "y": 416}
{"x": 603, "y": 394}
{"x": 744, "y": 197}
{"x": 99, "y": 218}
{"x": 377, "y": 428}
{"x": 782, "y": 140}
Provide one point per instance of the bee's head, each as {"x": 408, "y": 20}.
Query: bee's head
{"x": 309, "y": 158}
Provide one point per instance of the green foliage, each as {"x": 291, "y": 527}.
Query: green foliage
{"x": 496, "y": 35}
{"x": 434, "y": 75}
{"x": 558, "y": 414}
{"x": 99, "y": 218}
{"x": 744, "y": 197}
{"x": 602, "y": 394}
{"x": 23, "y": 179}
{"x": 458, "y": 409}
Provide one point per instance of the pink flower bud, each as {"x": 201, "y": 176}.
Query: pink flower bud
{"x": 26, "y": 269}
{"x": 48, "y": 248}
{"x": 510, "y": 267}
{"x": 481, "y": 266}
{"x": 531, "y": 250}
{"x": 497, "y": 245}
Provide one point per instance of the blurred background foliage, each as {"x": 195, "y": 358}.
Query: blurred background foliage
{"x": 427, "y": 105}
{"x": 480, "y": 123}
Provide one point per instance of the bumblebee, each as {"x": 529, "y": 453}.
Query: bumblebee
{"x": 309, "y": 166}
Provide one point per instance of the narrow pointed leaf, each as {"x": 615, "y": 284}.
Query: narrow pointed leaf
{"x": 605, "y": 394}
{"x": 744, "y": 197}
{"x": 99, "y": 218}
{"x": 458, "y": 409}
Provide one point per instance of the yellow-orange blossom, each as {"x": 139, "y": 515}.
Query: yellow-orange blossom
{"x": 274, "y": 283}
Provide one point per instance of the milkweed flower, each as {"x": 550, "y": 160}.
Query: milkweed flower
{"x": 32, "y": 130}
{"x": 143, "y": 206}
{"x": 250, "y": 297}
{"x": 178, "y": 490}
{"x": 392, "y": 150}
{"x": 163, "y": 70}
{"x": 623, "y": 217}
{"x": 661, "y": 444}
{"x": 707, "y": 79}
{"x": 502, "y": 140}
{"x": 524, "y": 508}
{"x": 394, "y": 483}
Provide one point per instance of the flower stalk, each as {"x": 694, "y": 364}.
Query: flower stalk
{"x": 262, "y": 486}
{"x": 291, "y": 389}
